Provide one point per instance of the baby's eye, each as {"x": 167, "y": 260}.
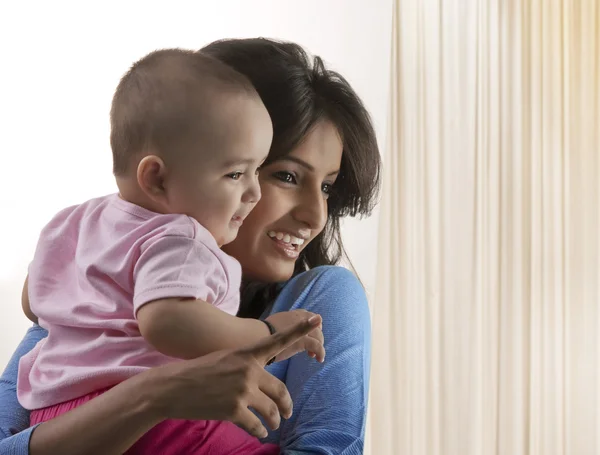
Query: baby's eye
{"x": 235, "y": 175}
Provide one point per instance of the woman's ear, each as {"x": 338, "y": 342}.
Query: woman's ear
{"x": 151, "y": 175}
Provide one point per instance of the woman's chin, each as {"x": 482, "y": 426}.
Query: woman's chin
{"x": 271, "y": 272}
{"x": 266, "y": 261}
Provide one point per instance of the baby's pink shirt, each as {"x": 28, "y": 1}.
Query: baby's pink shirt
{"x": 95, "y": 265}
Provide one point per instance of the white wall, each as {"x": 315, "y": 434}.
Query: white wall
{"x": 60, "y": 62}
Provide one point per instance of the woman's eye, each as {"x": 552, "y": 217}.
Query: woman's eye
{"x": 285, "y": 176}
{"x": 326, "y": 189}
{"x": 235, "y": 175}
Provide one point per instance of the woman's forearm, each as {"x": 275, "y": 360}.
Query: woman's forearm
{"x": 213, "y": 387}
{"x": 109, "y": 424}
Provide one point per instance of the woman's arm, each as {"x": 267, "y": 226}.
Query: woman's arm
{"x": 330, "y": 399}
{"x": 220, "y": 386}
{"x": 109, "y": 424}
{"x": 13, "y": 418}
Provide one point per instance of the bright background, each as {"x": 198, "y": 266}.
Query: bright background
{"x": 61, "y": 62}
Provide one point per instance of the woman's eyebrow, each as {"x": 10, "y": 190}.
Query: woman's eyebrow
{"x": 304, "y": 164}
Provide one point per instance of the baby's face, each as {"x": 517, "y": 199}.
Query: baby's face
{"x": 219, "y": 187}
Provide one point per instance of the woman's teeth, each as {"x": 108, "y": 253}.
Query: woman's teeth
{"x": 285, "y": 238}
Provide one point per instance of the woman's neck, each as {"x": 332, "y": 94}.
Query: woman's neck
{"x": 256, "y": 297}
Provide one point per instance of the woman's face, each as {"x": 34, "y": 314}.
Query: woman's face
{"x": 293, "y": 207}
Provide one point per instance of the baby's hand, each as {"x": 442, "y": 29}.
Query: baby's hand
{"x": 311, "y": 343}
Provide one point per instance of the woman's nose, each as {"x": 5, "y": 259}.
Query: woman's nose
{"x": 311, "y": 209}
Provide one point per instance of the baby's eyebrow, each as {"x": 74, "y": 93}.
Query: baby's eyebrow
{"x": 235, "y": 162}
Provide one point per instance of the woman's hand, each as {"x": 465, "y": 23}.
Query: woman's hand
{"x": 222, "y": 385}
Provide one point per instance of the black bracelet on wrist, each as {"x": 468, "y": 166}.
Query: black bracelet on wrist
{"x": 271, "y": 331}
{"x": 270, "y": 326}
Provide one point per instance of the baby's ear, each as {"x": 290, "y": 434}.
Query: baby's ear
{"x": 151, "y": 174}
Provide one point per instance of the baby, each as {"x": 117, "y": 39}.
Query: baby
{"x": 137, "y": 279}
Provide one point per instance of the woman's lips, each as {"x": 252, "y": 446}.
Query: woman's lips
{"x": 288, "y": 250}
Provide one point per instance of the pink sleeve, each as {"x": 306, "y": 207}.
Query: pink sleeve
{"x": 177, "y": 266}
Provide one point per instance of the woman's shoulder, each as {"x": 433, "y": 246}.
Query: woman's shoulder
{"x": 328, "y": 289}
{"x": 332, "y": 274}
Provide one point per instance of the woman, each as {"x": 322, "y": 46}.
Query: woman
{"x": 324, "y": 164}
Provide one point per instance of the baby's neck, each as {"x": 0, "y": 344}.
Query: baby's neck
{"x": 130, "y": 191}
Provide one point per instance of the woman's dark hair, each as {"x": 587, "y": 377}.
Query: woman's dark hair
{"x": 299, "y": 91}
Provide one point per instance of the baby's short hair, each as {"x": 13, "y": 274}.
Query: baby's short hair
{"x": 163, "y": 97}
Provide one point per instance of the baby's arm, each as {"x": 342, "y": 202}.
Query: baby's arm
{"x": 176, "y": 281}
{"x": 191, "y": 324}
{"x": 25, "y": 302}
{"x": 189, "y": 328}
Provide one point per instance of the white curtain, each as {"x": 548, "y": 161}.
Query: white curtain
{"x": 486, "y": 317}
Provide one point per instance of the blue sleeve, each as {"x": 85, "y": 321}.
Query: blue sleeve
{"x": 330, "y": 399}
{"x": 14, "y": 420}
